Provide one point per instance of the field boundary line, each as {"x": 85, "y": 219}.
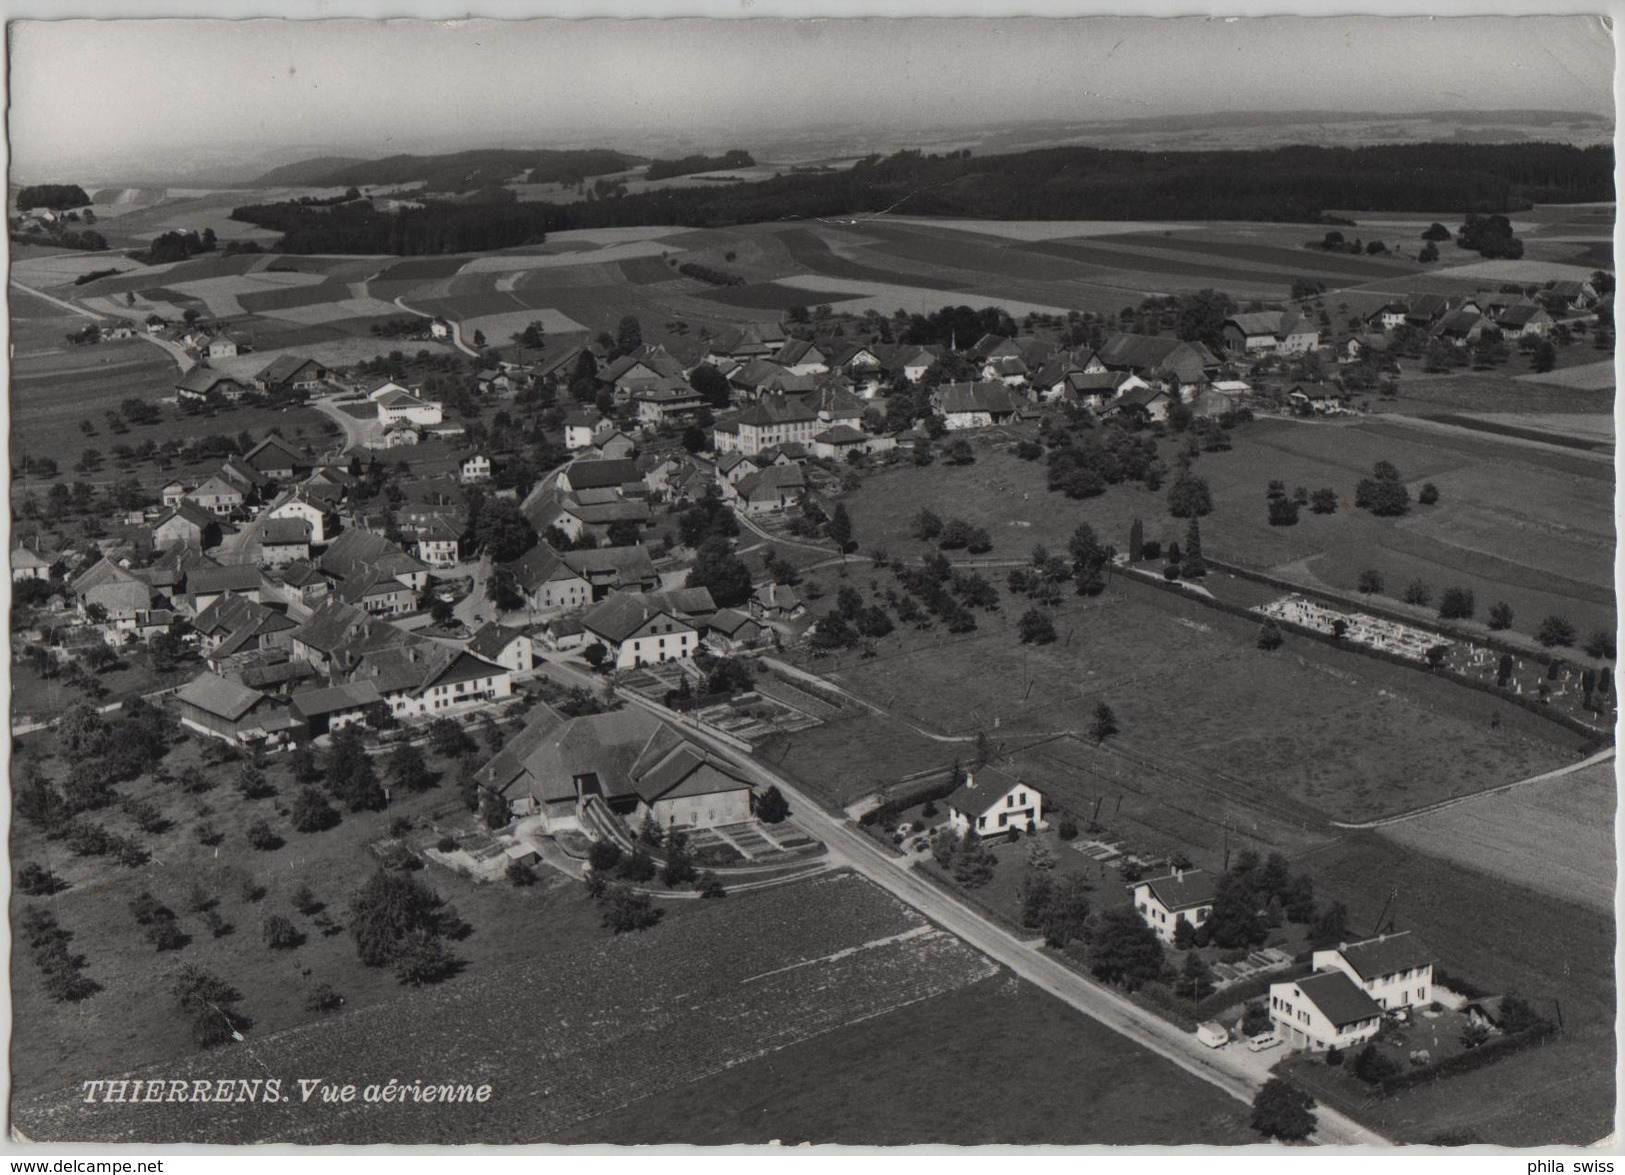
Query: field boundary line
{"x": 1601, "y": 756}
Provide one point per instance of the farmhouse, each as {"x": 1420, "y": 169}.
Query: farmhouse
{"x": 776, "y": 603}
{"x": 626, "y": 763}
{"x": 223, "y": 709}
{"x": 284, "y": 541}
{"x": 639, "y": 628}
{"x": 187, "y": 525}
{"x": 324, "y": 711}
{"x": 208, "y": 583}
{"x": 26, "y": 564}
{"x": 585, "y": 515}
{"x": 974, "y": 405}
{"x": 620, "y": 475}
{"x": 422, "y": 677}
{"x": 1273, "y": 332}
{"x": 222, "y": 346}
{"x": 778, "y": 487}
{"x": 1321, "y": 1011}
{"x": 275, "y": 459}
{"x": 292, "y": 373}
{"x": 217, "y": 496}
{"x": 1524, "y": 319}
{"x": 1396, "y": 970}
{"x": 729, "y": 630}
{"x": 203, "y": 383}
{"x": 1185, "y": 895}
{"x": 610, "y": 443}
{"x": 1157, "y": 358}
{"x": 314, "y": 513}
{"x": 988, "y": 811}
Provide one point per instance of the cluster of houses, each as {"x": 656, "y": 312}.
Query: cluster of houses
{"x": 1351, "y": 987}
{"x": 1465, "y": 318}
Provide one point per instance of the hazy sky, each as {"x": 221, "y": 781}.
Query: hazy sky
{"x": 85, "y": 93}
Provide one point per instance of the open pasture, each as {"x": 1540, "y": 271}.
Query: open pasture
{"x": 878, "y": 1084}
{"x": 1555, "y": 836}
{"x": 627, "y": 1016}
{"x": 812, "y": 252}
{"x": 647, "y": 271}
{"x": 318, "y": 313}
{"x": 220, "y": 294}
{"x": 886, "y": 297}
{"x": 1544, "y": 948}
{"x": 1264, "y": 252}
{"x": 1035, "y": 230}
{"x": 1592, "y": 376}
{"x": 499, "y": 328}
{"x": 1306, "y": 729}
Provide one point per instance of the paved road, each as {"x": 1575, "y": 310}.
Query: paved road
{"x": 475, "y": 609}
{"x": 1234, "y": 1070}
{"x": 356, "y": 432}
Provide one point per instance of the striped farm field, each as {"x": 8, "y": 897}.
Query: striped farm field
{"x": 503, "y": 262}
{"x": 1317, "y": 261}
{"x": 610, "y": 1020}
{"x": 773, "y": 296}
{"x": 814, "y": 254}
{"x": 1555, "y": 836}
{"x": 323, "y": 312}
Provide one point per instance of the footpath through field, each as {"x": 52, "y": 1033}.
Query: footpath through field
{"x": 1227, "y": 1069}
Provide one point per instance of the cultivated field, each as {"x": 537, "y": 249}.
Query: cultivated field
{"x": 606, "y": 1020}
{"x": 887, "y": 1082}
{"x": 1555, "y": 836}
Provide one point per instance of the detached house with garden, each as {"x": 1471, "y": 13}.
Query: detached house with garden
{"x": 1353, "y": 986}
{"x": 989, "y": 810}
{"x": 1185, "y": 895}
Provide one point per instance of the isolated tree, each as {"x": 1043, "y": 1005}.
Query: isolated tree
{"x": 1104, "y": 724}
{"x": 1428, "y": 495}
{"x": 771, "y": 806}
{"x": 1089, "y": 560}
{"x": 1323, "y": 501}
{"x": 1283, "y": 511}
{"x": 1035, "y": 627}
{"x": 210, "y": 1004}
{"x": 1555, "y": 631}
{"x": 628, "y": 910}
{"x": 628, "y": 335}
{"x": 927, "y": 524}
{"x": 1456, "y": 603}
{"x": 840, "y": 527}
{"x": 1270, "y": 636}
{"x": 1282, "y": 1110}
{"x": 1193, "y": 566}
{"x": 1189, "y": 496}
{"x": 311, "y": 812}
{"x": 407, "y": 770}
{"x": 396, "y": 918}
{"x": 1418, "y": 593}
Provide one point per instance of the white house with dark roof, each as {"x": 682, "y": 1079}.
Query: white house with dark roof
{"x": 1395, "y": 970}
{"x": 993, "y": 810}
{"x": 640, "y": 628}
{"x": 1183, "y": 895}
{"x": 1321, "y": 1011}
{"x": 508, "y": 647}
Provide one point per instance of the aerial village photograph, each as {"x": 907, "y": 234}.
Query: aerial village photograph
{"x": 855, "y": 582}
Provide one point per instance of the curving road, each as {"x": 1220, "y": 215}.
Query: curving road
{"x": 1232, "y": 1069}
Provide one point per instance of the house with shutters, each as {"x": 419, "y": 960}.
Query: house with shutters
{"x": 776, "y": 603}
{"x": 1185, "y": 895}
{"x": 314, "y": 511}
{"x": 357, "y": 552}
{"x": 217, "y": 496}
{"x": 1322, "y": 1011}
{"x": 332, "y": 708}
{"x": 437, "y": 541}
{"x": 508, "y": 647}
{"x": 1395, "y": 970}
{"x": 772, "y": 420}
{"x": 547, "y": 582}
{"x": 640, "y": 628}
{"x": 421, "y": 678}
{"x": 475, "y": 467}
{"x": 991, "y": 810}
{"x": 580, "y": 425}
{"x": 774, "y": 489}
{"x": 284, "y": 541}
{"x": 626, "y": 763}
{"x": 321, "y": 639}
{"x": 1525, "y": 320}
{"x": 667, "y": 401}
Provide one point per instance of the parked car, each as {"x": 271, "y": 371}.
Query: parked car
{"x": 1213, "y": 1034}
{"x": 1263, "y": 1041}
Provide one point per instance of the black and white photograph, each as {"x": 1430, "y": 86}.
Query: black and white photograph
{"x": 871, "y": 582}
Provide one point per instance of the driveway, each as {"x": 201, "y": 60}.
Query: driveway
{"x": 357, "y": 432}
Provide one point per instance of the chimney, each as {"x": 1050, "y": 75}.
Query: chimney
{"x": 1179, "y": 875}
{"x": 1342, "y": 946}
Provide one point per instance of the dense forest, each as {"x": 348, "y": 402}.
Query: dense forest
{"x": 1071, "y": 183}
{"x": 464, "y": 171}
{"x": 665, "y": 169}
{"x": 52, "y": 196}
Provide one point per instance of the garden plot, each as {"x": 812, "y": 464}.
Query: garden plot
{"x": 605, "y": 1024}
